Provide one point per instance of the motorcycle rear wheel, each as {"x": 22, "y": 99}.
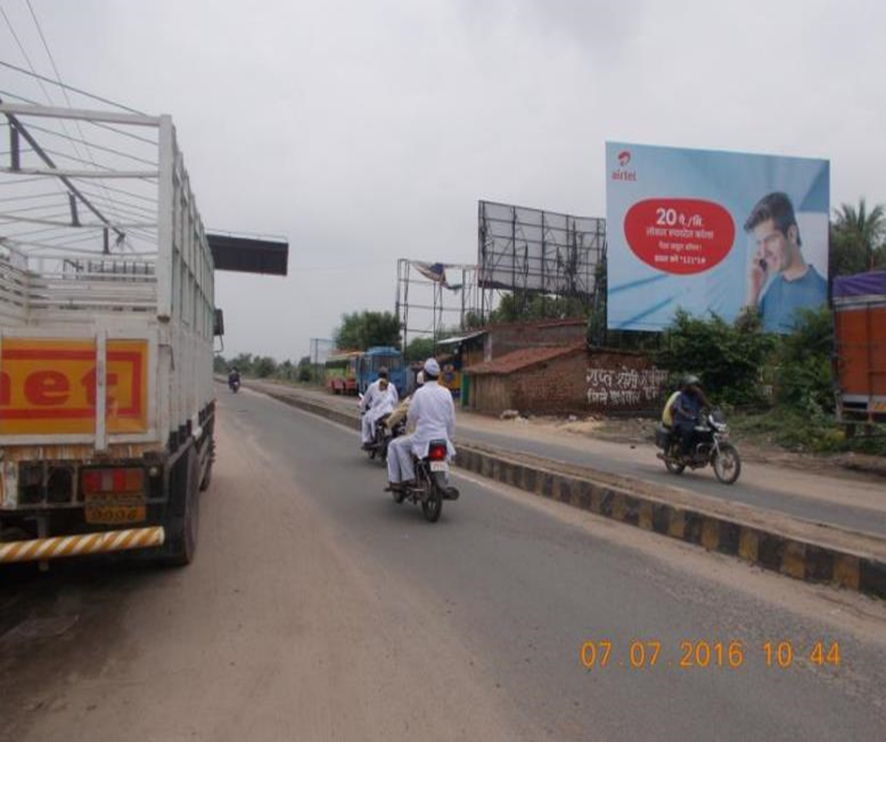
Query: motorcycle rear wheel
{"x": 727, "y": 465}
{"x": 432, "y": 505}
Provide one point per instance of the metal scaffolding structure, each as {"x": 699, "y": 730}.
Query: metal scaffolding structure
{"x": 320, "y": 350}
{"x": 433, "y": 297}
{"x": 527, "y": 251}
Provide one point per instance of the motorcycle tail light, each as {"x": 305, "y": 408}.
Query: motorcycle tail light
{"x": 437, "y": 452}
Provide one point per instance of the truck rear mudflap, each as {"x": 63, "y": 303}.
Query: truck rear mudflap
{"x": 51, "y": 548}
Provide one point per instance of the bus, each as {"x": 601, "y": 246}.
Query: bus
{"x": 341, "y": 373}
{"x": 369, "y": 363}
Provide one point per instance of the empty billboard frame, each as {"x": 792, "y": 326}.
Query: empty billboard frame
{"x": 537, "y": 251}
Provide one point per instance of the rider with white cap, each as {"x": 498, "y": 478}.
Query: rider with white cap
{"x": 432, "y": 412}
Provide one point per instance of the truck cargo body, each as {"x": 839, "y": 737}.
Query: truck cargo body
{"x": 860, "y": 338}
{"x": 106, "y": 330}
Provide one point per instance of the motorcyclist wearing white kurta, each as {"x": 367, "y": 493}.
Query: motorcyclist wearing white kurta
{"x": 433, "y": 414}
{"x": 378, "y": 402}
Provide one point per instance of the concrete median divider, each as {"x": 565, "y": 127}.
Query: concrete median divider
{"x": 799, "y": 549}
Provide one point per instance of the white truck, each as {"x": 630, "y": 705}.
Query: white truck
{"x": 107, "y": 320}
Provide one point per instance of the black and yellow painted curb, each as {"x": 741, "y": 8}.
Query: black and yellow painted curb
{"x": 770, "y": 549}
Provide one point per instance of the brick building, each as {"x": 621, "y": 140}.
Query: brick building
{"x": 566, "y": 379}
{"x": 498, "y": 340}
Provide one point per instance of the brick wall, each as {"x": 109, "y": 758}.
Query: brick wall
{"x": 623, "y": 381}
{"x": 605, "y": 381}
{"x": 554, "y": 387}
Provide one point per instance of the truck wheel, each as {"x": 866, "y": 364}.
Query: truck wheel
{"x": 183, "y": 521}
{"x": 206, "y": 478}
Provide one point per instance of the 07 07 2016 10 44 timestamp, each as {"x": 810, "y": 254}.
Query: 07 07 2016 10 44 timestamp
{"x": 601, "y": 654}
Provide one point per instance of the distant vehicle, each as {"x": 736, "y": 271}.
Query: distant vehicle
{"x": 383, "y": 437}
{"x": 369, "y": 363}
{"x": 341, "y": 373}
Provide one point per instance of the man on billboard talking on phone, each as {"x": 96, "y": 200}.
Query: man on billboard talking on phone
{"x": 780, "y": 281}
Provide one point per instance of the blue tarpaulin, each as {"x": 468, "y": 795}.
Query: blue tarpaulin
{"x": 868, "y": 284}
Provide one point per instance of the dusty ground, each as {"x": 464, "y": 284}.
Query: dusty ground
{"x": 634, "y": 430}
{"x": 270, "y": 634}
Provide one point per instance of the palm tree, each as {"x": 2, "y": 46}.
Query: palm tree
{"x": 869, "y": 227}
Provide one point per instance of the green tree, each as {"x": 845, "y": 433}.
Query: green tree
{"x": 867, "y": 226}
{"x": 727, "y": 358}
{"x": 846, "y": 252}
{"x": 419, "y": 349}
{"x": 473, "y": 321}
{"x": 304, "y": 372}
{"x": 242, "y": 362}
{"x": 597, "y": 320}
{"x": 219, "y": 365}
{"x": 264, "y": 366}
{"x": 804, "y": 375}
{"x": 365, "y": 329}
{"x": 525, "y": 306}
{"x": 286, "y": 370}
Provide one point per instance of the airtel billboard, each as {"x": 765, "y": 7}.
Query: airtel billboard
{"x": 713, "y": 232}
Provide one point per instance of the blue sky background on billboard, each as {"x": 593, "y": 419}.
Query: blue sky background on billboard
{"x": 679, "y": 269}
{"x": 365, "y": 132}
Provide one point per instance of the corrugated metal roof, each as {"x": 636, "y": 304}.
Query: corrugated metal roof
{"x": 522, "y": 359}
{"x": 460, "y": 339}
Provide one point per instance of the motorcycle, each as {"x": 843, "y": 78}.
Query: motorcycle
{"x": 711, "y": 446}
{"x": 430, "y": 488}
{"x": 383, "y": 436}
{"x": 234, "y": 385}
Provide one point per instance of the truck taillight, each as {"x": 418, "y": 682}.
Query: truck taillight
{"x": 437, "y": 451}
{"x": 112, "y": 480}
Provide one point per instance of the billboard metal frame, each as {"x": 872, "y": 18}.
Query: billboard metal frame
{"x": 532, "y": 251}
{"x": 417, "y": 293}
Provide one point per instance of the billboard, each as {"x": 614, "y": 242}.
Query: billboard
{"x": 713, "y": 232}
{"x": 525, "y": 249}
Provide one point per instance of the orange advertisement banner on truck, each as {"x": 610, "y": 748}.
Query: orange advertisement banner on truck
{"x": 48, "y": 386}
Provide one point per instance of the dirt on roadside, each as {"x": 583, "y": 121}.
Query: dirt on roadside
{"x": 635, "y": 430}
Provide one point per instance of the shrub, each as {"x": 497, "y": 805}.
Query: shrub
{"x": 726, "y": 357}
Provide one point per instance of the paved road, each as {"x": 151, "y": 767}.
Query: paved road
{"x": 774, "y": 492}
{"x": 317, "y": 608}
{"x": 846, "y": 500}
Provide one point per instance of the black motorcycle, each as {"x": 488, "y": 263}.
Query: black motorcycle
{"x": 430, "y": 488}
{"x": 234, "y": 385}
{"x": 383, "y": 436}
{"x": 710, "y": 446}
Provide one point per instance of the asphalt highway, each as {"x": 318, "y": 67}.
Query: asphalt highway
{"x": 317, "y": 608}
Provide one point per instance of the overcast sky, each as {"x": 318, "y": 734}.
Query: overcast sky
{"x": 367, "y": 131}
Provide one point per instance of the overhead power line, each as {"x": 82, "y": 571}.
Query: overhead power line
{"x": 64, "y": 86}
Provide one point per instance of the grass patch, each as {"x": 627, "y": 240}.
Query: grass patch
{"x": 808, "y": 431}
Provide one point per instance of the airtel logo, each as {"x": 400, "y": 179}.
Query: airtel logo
{"x": 620, "y": 174}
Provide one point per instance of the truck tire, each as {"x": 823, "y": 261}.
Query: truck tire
{"x": 183, "y": 520}
{"x": 206, "y": 478}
